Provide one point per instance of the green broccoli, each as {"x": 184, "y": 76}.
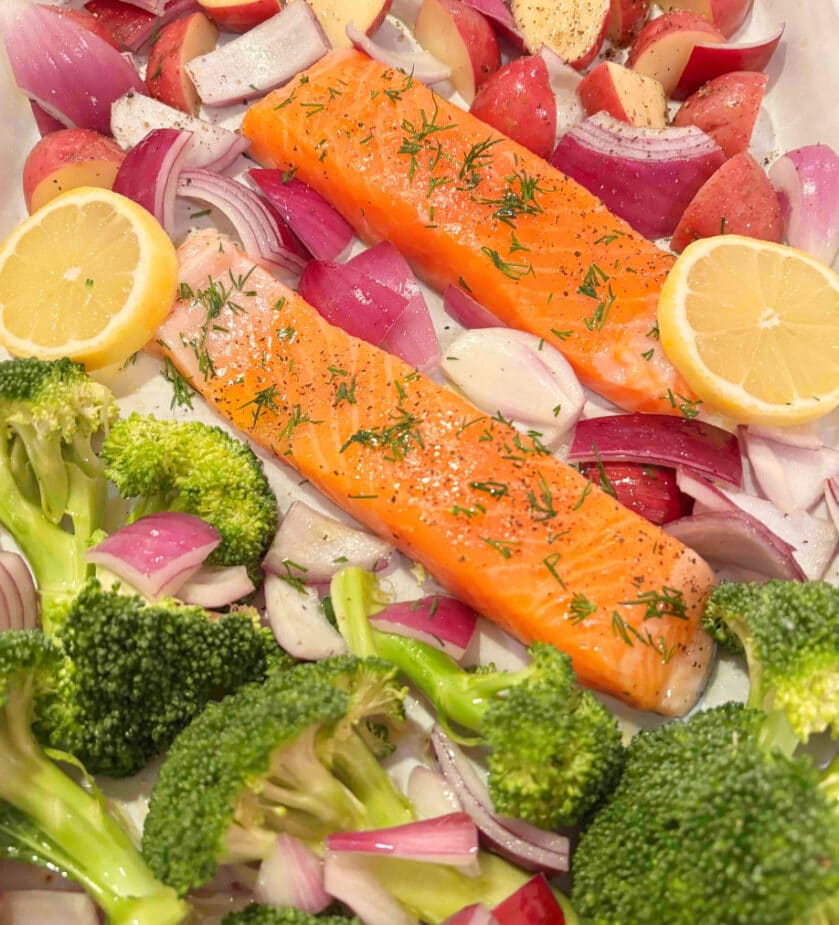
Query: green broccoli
{"x": 192, "y": 467}
{"x": 48, "y": 819}
{"x": 134, "y": 674}
{"x": 709, "y": 825}
{"x": 789, "y": 631}
{"x": 52, "y": 492}
{"x": 554, "y": 750}
{"x": 287, "y": 756}
{"x": 266, "y": 915}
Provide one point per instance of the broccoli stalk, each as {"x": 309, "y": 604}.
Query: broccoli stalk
{"x": 709, "y": 824}
{"x": 554, "y": 750}
{"x": 46, "y": 818}
{"x": 789, "y": 632}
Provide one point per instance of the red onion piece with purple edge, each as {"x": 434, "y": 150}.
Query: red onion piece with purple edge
{"x": 348, "y": 878}
{"x": 18, "y": 597}
{"x": 442, "y": 622}
{"x": 292, "y": 876}
{"x": 216, "y": 586}
{"x": 650, "y": 491}
{"x": 466, "y": 311}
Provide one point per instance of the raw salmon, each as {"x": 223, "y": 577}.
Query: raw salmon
{"x": 497, "y": 520}
{"x": 466, "y": 205}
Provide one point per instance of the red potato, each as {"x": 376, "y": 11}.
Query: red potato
{"x": 624, "y": 94}
{"x": 461, "y": 37}
{"x": 335, "y": 15}
{"x": 124, "y": 21}
{"x": 518, "y": 101}
{"x": 726, "y": 108}
{"x": 726, "y": 15}
{"x": 178, "y": 43}
{"x": 68, "y": 159}
{"x": 737, "y": 199}
{"x": 240, "y": 15}
{"x": 664, "y": 45}
{"x": 574, "y": 29}
{"x": 84, "y": 19}
{"x": 625, "y": 19}
{"x": 708, "y": 61}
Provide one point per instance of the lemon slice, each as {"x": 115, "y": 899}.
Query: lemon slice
{"x": 754, "y": 329}
{"x": 90, "y": 276}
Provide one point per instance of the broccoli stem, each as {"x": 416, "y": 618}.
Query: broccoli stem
{"x": 354, "y": 594}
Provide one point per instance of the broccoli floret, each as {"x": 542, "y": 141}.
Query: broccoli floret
{"x": 287, "y": 756}
{"x": 48, "y": 819}
{"x": 709, "y": 825}
{"x": 555, "y": 751}
{"x": 52, "y": 493}
{"x": 789, "y": 631}
{"x": 134, "y": 674}
{"x": 192, "y": 467}
{"x": 266, "y": 915}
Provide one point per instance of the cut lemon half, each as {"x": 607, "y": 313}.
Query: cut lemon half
{"x": 91, "y": 275}
{"x": 754, "y": 329}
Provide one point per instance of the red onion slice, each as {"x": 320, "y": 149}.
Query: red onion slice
{"x": 539, "y": 850}
{"x": 265, "y": 57}
{"x": 17, "y": 875}
{"x": 348, "y": 878}
{"x": 466, "y": 311}
{"x": 651, "y": 491}
{"x": 736, "y": 538}
{"x": 46, "y": 123}
{"x": 150, "y": 172}
{"x": 472, "y": 915}
{"x": 430, "y": 793}
{"x": 532, "y": 904}
{"x": 662, "y": 440}
{"x": 68, "y": 70}
{"x": 807, "y": 183}
{"x": 321, "y": 229}
{"x": 47, "y": 907}
{"x": 831, "y": 498}
{"x": 442, "y": 622}
{"x": 519, "y": 375}
{"x": 564, "y": 81}
{"x": 256, "y": 227}
{"x": 647, "y": 176}
{"x": 18, "y": 597}
{"x": 384, "y": 46}
{"x": 214, "y": 148}
{"x": 412, "y": 337}
{"x": 292, "y": 876}
{"x": 158, "y": 553}
{"x": 214, "y": 586}
{"x": 451, "y": 840}
{"x": 298, "y": 623}
{"x": 320, "y": 546}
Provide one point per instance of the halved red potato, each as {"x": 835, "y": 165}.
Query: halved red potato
{"x": 726, "y": 15}
{"x": 625, "y": 19}
{"x": 574, "y": 29}
{"x": 335, "y": 15}
{"x": 624, "y": 94}
{"x": 240, "y": 15}
{"x": 178, "y": 43}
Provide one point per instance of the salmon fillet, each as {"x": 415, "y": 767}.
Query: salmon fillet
{"x": 467, "y": 206}
{"x": 496, "y": 519}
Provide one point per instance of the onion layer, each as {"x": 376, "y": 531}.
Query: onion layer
{"x": 442, "y": 622}
{"x": 298, "y": 622}
{"x": 384, "y": 46}
{"x": 292, "y": 876}
{"x": 47, "y": 907}
{"x": 430, "y": 793}
{"x": 348, "y": 878}
{"x": 466, "y": 311}
{"x": 650, "y": 491}
{"x": 213, "y": 586}
{"x": 18, "y": 597}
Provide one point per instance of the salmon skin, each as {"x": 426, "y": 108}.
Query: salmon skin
{"x": 490, "y": 513}
{"x": 467, "y": 206}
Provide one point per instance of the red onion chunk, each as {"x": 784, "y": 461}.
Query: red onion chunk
{"x": 406, "y": 11}
{"x": 564, "y": 81}
{"x": 538, "y": 850}
{"x": 298, "y": 622}
{"x": 412, "y": 337}
{"x": 68, "y": 70}
{"x": 213, "y": 586}
{"x": 650, "y": 491}
{"x": 46, "y": 123}
{"x": 292, "y": 876}
{"x": 660, "y": 439}
{"x": 315, "y": 546}
{"x": 18, "y": 597}
{"x": 265, "y": 57}
{"x": 47, "y": 907}
{"x": 149, "y": 174}
{"x": 472, "y": 915}
{"x": 498, "y": 13}
{"x": 736, "y": 538}
{"x": 430, "y": 793}
{"x": 831, "y": 498}
{"x": 466, "y": 311}
{"x": 791, "y": 477}
{"x": 532, "y": 904}
{"x": 451, "y": 840}
{"x": 158, "y": 553}
{"x": 213, "y": 147}
{"x": 442, "y": 622}
{"x": 324, "y": 233}
{"x": 391, "y": 46}
{"x": 17, "y": 875}
{"x": 256, "y": 227}
{"x": 807, "y": 183}
{"x": 348, "y": 878}
{"x": 647, "y": 176}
